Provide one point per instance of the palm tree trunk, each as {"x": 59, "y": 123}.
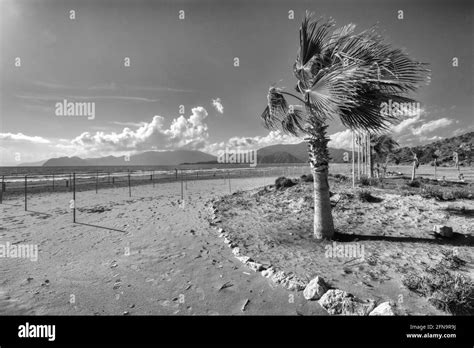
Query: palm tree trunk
{"x": 362, "y": 156}
{"x": 371, "y": 160}
{"x": 384, "y": 168}
{"x": 358, "y": 156}
{"x": 366, "y": 154}
{"x": 353, "y": 161}
{"x": 319, "y": 162}
{"x": 371, "y": 164}
{"x": 413, "y": 173}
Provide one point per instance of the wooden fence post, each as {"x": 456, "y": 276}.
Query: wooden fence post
{"x": 73, "y": 197}
{"x": 26, "y": 189}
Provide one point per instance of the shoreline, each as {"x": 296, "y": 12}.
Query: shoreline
{"x": 16, "y": 189}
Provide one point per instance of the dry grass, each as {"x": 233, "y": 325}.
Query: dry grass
{"x": 275, "y": 225}
{"x": 447, "y": 290}
{"x": 445, "y": 193}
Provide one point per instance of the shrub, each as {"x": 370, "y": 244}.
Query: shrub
{"x": 366, "y": 196}
{"x": 462, "y": 194}
{"x": 424, "y": 181}
{"x": 307, "y": 178}
{"x": 414, "y": 183}
{"x": 431, "y": 192}
{"x": 448, "y": 291}
{"x": 340, "y": 177}
{"x": 406, "y": 193}
{"x": 283, "y": 182}
{"x": 366, "y": 181}
{"x": 451, "y": 261}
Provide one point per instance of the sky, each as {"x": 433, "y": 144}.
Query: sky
{"x": 163, "y": 75}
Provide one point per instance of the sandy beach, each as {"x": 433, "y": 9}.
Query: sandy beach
{"x": 148, "y": 254}
{"x": 154, "y": 254}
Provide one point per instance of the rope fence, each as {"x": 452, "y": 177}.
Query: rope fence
{"x": 13, "y": 186}
{"x": 123, "y": 182}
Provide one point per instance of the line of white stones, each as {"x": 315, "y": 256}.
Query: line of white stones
{"x": 316, "y": 289}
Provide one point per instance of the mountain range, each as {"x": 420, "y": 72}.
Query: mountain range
{"x": 282, "y": 153}
{"x": 445, "y": 147}
{"x": 163, "y": 158}
{"x": 293, "y": 153}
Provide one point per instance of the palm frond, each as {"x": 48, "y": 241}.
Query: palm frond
{"x": 383, "y": 144}
{"x": 313, "y": 38}
{"x": 345, "y": 74}
{"x": 279, "y": 116}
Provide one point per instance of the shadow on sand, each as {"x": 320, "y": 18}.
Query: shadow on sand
{"x": 97, "y": 226}
{"x": 457, "y": 239}
{"x": 468, "y": 213}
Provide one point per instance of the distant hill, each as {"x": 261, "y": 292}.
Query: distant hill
{"x": 164, "y": 158}
{"x": 282, "y": 153}
{"x": 446, "y": 148}
{"x": 32, "y": 164}
{"x": 278, "y": 157}
{"x": 293, "y": 153}
{"x": 65, "y": 161}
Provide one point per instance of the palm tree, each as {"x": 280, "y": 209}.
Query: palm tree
{"x": 382, "y": 145}
{"x": 345, "y": 75}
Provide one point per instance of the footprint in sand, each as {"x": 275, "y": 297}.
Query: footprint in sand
{"x": 169, "y": 303}
{"x": 117, "y": 284}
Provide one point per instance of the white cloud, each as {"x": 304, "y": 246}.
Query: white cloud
{"x": 272, "y": 138}
{"x": 402, "y": 131}
{"x": 18, "y": 148}
{"x": 434, "y": 138}
{"x": 23, "y": 138}
{"x": 341, "y": 140}
{"x": 431, "y": 126}
{"x": 191, "y": 132}
{"x": 252, "y": 143}
{"x": 218, "y": 105}
{"x": 459, "y": 131}
{"x": 129, "y": 124}
{"x": 405, "y": 124}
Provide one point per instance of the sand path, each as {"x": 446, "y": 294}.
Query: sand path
{"x": 151, "y": 255}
